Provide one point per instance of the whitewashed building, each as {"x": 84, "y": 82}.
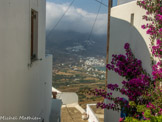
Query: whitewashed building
{"x": 25, "y": 69}
{"x": 126, "y": 21}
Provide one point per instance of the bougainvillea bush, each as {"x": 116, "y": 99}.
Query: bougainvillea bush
{"x": 154, "y": 29}
{"x": 144, "y": 92}
{"x": 137, "y": 82}
{"x": 145, "y": 99}
{"x": 154, "y": 24}
{"x": 129, "y": 67}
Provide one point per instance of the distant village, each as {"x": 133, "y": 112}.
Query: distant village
{"x": 90, "y": 65}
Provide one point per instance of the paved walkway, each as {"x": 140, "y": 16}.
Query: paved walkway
{"x": 71, "y": 114}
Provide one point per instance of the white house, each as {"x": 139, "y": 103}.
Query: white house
{"x": 25, "y": 70}
{"x": 126, "y": 21}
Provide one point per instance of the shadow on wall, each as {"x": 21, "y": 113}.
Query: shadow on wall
{"x": 121, "y": 32}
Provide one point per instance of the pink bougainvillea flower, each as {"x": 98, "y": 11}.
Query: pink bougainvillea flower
{"x": 143, "y": 27}
{"x": 160, "y": 30}
{"x": 121, "y": 120}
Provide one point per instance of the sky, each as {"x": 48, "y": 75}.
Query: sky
{"x": 80, "y": 17}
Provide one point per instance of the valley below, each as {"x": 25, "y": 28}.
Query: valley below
{"x": 78, "y": 63}
{"x": 81, "y": 77}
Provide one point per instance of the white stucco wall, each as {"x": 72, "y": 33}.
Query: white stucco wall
{"x": 55, "y": 115}
{"x": 121, "y": 32}
{"x": 68, "y": 97}
{"x": 25, "y": 88}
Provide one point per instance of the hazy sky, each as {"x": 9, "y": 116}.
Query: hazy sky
{"x": 80, "y": 17}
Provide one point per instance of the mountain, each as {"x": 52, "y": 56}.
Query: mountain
{"x": 71, "y": 45}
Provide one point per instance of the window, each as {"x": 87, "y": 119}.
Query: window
{"x": 34, "y": 35}
{"x": 132, "y": 19}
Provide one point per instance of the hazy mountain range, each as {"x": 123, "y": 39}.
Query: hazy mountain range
{"x": 71, "y": 45}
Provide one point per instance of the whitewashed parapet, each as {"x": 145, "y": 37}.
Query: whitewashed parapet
{"x": 55, "y": 90}
{"x": 91, "y": 114}
{"x": 55, "y": 115}
{"x": 68, "y": 97}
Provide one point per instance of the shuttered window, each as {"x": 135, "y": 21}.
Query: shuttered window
{"x": 34, "y": 35}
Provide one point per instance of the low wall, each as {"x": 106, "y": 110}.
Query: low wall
{"x": 91, "y": 114}
{"x": 68, "y": 97}
{"x": 55, "y": 115}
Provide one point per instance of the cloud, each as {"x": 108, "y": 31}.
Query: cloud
{"x": 76, "y": 19}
